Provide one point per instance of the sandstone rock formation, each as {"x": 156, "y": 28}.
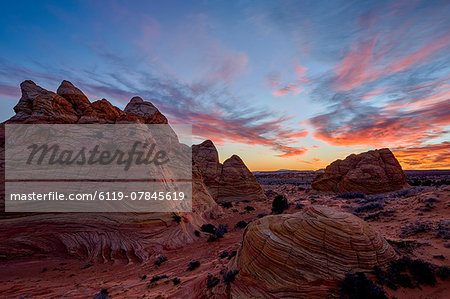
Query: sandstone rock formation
{"x": 231, "y": 181}
{"x": 372, "y": 172}
{"x": 305, "y": 254}
{"x": 129, "y": 237}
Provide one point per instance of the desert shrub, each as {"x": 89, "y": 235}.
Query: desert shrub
{"x": 351, "y": 195}
{"x": 103, "y": 294}
{"x": 404, "y": 246}
{"x": 377, "y": 215}
{"x": 160, "y": 260}
{"x": 230, "y": 275}
{"x": 176, "y": 281}
{"x": 443, "y": 229}
{"x": 208, "y": 228}
{"x": 262, "y": 215}
{"x": 443, "y": 272}
{"x": 241, "y": 224}
{"x": 279, "y": 204}
{"x": 422, "y": 272}
{"x": 227, "y": 205}
{"x": 193, "y": 265}
{"x": 212, "y": 281}
{"x": 176, "y": 218}
{"x": 299, "y": 206}
{"x": 158, "y": 277}
{"x": 232, "y": 254}
{"x": 376, "y": 198}
{"x": 367, "y": 207}
{"x": 221, "y": 230}
{"x": 197, "y": 233}
{"x": 415, "y": 228}
{"x": 142, "y": 277}
{"x": 249, "y": 208}
{"x": 359, "y": 286}
{"x": 211, "y": 238}
{"x": 406, "y": 272}
{"x": 235, "y": 210}
{"x": 224, "y": 254}
{"x": 407, "y": 192}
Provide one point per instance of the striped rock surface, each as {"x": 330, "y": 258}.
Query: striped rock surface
{"x": 305, "y": 254}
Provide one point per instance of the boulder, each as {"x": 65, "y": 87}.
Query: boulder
{"x": 376, "y": 171}
{"x": 305, "y": 254}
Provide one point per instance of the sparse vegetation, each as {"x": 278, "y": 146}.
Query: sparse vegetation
{"x": 249, "y": 208}
{"x": 193, "y": 265}
{"x": 367, "y": 207}
{"x": 415, "y": 228}
{"x": 443, "y": 229}
{"x": 176, "y": 281}
{"x": 407, "y": 273}
{"x": 351, "y": 195}
{"x": 359, "y": 286}
{"x": 299, "y": 206}
{"x": 176, "y": 218}
{"x": 229, "y": 276}
{"x": 212, "y": 281}
{"x": 279, "y": 204}
{"x": 262, "y": 215}
{"x": 224, "y": 254}
{"x": 208, "y": 228}
{"x": 103, "y": 294}
{"x": 160, "y": 260}
{"x": 232, "y": 254}
{"x": 241, "y": 224}
{"x": 377, "y": 215}
{"x": 158, "y": 277}
{"x": 197, "y": 233}
{"x": 227, "y": 205}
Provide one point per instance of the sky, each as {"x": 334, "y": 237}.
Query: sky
{"x": 282, "y": 84}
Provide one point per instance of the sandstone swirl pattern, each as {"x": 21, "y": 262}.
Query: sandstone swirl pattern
{"x": 372, "y": 172}
{"x": 305, "y": 253}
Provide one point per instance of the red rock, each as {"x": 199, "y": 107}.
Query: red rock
{"x": 100, "y": 237}
{"x": 74, "y": 96}
{"x": 40, "y": 105}
{"x": 237, "y": 182}
{"x": 305, "y": 254}
{"x": 372, "y": 172}
{"x": 145, "y": 110}
{"x": 231, "y": 181}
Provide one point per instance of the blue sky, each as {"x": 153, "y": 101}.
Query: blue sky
{"x": 284, "y": 84}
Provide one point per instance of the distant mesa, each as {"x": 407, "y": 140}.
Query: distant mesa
{"x": 305, "y": 254}
{"x": 372, "y": 172}
{"x": 230, "y": 181}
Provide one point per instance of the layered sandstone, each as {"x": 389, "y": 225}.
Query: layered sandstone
{"x": 372, "y": 172}
{"x": 230, "y": 181}
{"x": 128, "y": 237}
{"x": 305, "y": 254}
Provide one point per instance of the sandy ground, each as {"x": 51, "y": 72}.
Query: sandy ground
{"x": 56, "y": 278}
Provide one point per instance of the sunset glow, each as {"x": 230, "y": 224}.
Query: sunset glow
{"x": 285, "y": 85}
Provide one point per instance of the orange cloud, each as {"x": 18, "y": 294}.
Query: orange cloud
{"x": 434, "y": 156}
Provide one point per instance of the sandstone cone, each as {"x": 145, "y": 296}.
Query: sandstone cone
{"x": 231, "y": 181}
{"x": 372, "y": 172}
{"x": 305, "y": 253}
